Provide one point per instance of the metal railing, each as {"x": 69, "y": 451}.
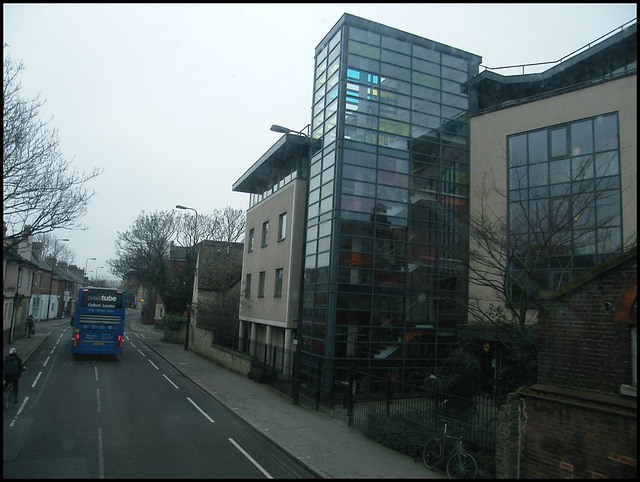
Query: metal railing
{"x": 354, "y": 396}
{"x": 568, "y": 56}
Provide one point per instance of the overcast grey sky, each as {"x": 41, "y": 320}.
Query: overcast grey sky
{"x": 175, "y": 102}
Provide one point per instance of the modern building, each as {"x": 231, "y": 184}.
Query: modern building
{"x": 554, "y": 155}
{"x": 371, "y": 207}
{"x": 388, "y": 179}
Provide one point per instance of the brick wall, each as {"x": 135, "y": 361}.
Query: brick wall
{"x": 579, "y": 344}
{"x": 565, "y": 440}
{"x": 575, "y": 422}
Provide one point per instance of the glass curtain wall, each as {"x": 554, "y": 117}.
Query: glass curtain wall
{"x": 564, "y": 180}
{"x": 386, "y": 241}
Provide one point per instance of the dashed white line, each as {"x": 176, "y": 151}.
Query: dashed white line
{"x": 98, "y": 400}
{"x": 24, "y": 402}
{"x": 36, "y": 380}
{"x": 201, "y": 411}
{"x": 266, "y": 474}
{"x": 174, "y": 385}
{"x": 46, "y": 361}
{"x": 100, "y": 454}
{"x": 154, "y": 366}
{"x": 141, "y": 352}
{"x": 96, "y": 371}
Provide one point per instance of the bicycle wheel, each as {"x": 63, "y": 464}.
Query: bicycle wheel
{"x": 6, "y": 397}
{"x": 431, "y": 453}
{"x": 462, "y": 466}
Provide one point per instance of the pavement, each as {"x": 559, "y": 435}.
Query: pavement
{"x": 328, "y": 447}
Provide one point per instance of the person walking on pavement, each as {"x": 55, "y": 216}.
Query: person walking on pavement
{"x": 12, "y": 369}
{"x": 31, "y": 326}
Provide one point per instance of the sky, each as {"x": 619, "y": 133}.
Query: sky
{"x": 175, "y": 101}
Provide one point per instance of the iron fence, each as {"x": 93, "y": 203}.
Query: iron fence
{"x": 355, "y": 395}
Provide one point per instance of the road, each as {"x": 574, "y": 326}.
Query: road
{"x": 131, "y": 416}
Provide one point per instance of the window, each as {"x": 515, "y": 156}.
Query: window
{"x": 261, "y": 284}
{"x": 265, "y": 233}
{"x": 282, "y": 226}
{"x": 278, "y": 289}
{"x": 250, "y": 240}
{"x": 565, "y": 179}
{"x": 247, "y": 286}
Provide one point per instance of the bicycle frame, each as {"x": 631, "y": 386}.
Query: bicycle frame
{"x": 457, "y": 461}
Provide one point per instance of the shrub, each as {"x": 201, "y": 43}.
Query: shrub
{"x": 395, "y": 432}
{"x": 173, "y": 322}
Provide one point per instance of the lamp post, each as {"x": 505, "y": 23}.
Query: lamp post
{"x": 100, "y": 267}
{"x": 86, "y": 273}
{"x": 286, "y": 130}
{"x": 53, "y": 267}
{"x": 193, "y": 272}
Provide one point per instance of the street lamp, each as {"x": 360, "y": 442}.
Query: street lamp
{"x": 286, "y": 130}
{"x": 100, "y": 267}
{"x": 86, "y": 273}
{"x": 53, "y": 266}
{"x": 193, "y": 272}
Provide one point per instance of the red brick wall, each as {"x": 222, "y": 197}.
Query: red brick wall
{"x": 567, "y": 441}
{"x": 575, "y": 422}
{"x": 579, "y": 344}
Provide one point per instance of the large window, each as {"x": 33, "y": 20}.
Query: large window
{"x": 565, "y": 190}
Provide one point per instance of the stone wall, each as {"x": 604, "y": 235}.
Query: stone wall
{"x": 201, "y": 343}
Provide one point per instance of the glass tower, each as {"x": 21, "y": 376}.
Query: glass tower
{"x": 385, "y": 255}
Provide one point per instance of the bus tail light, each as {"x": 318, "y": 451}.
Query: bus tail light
{"x": 119, "y": 344}
{"x": 76, "y": 339}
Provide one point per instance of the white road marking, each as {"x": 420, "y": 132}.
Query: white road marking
{"x": 36, "y": 380}
{"x": 201, "y": 411}
{"x": 174, "y": 385}
{"x": 100, "y": 454}
{"x": 24, "y": 402}
{"x": 267, "y": 474}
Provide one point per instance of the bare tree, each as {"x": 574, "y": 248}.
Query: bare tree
{"x": 223, "y": 225}
{"x": 509, "y": 256}
{"x": 142, "y": 251}
{"x": 41, "y": 189}
{"x": 60, "y": 251}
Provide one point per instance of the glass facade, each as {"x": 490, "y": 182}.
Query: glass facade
{"x": 564, "y": 180}
{"x": 384, "y": 269}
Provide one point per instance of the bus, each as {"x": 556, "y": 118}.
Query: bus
{"x": 98, "y": 323}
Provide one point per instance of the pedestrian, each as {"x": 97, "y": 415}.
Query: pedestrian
{"x": 12, "y": 369}
{"x": 31, "y": 326}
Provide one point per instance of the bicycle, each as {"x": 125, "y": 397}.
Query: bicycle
{"x": 7, "y": 397}
{"x": 460, "y": 464}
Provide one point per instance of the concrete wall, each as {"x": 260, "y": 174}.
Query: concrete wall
{"x": 285, "y": 254}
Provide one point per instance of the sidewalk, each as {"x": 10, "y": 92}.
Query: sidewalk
{"x": 328, "y": 447}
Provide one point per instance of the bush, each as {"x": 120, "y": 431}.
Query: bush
{"x": 395, "y": 432}
{"x": 173, "y": 322}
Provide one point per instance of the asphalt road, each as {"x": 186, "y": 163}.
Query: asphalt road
{"x": 128, "y": 416}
